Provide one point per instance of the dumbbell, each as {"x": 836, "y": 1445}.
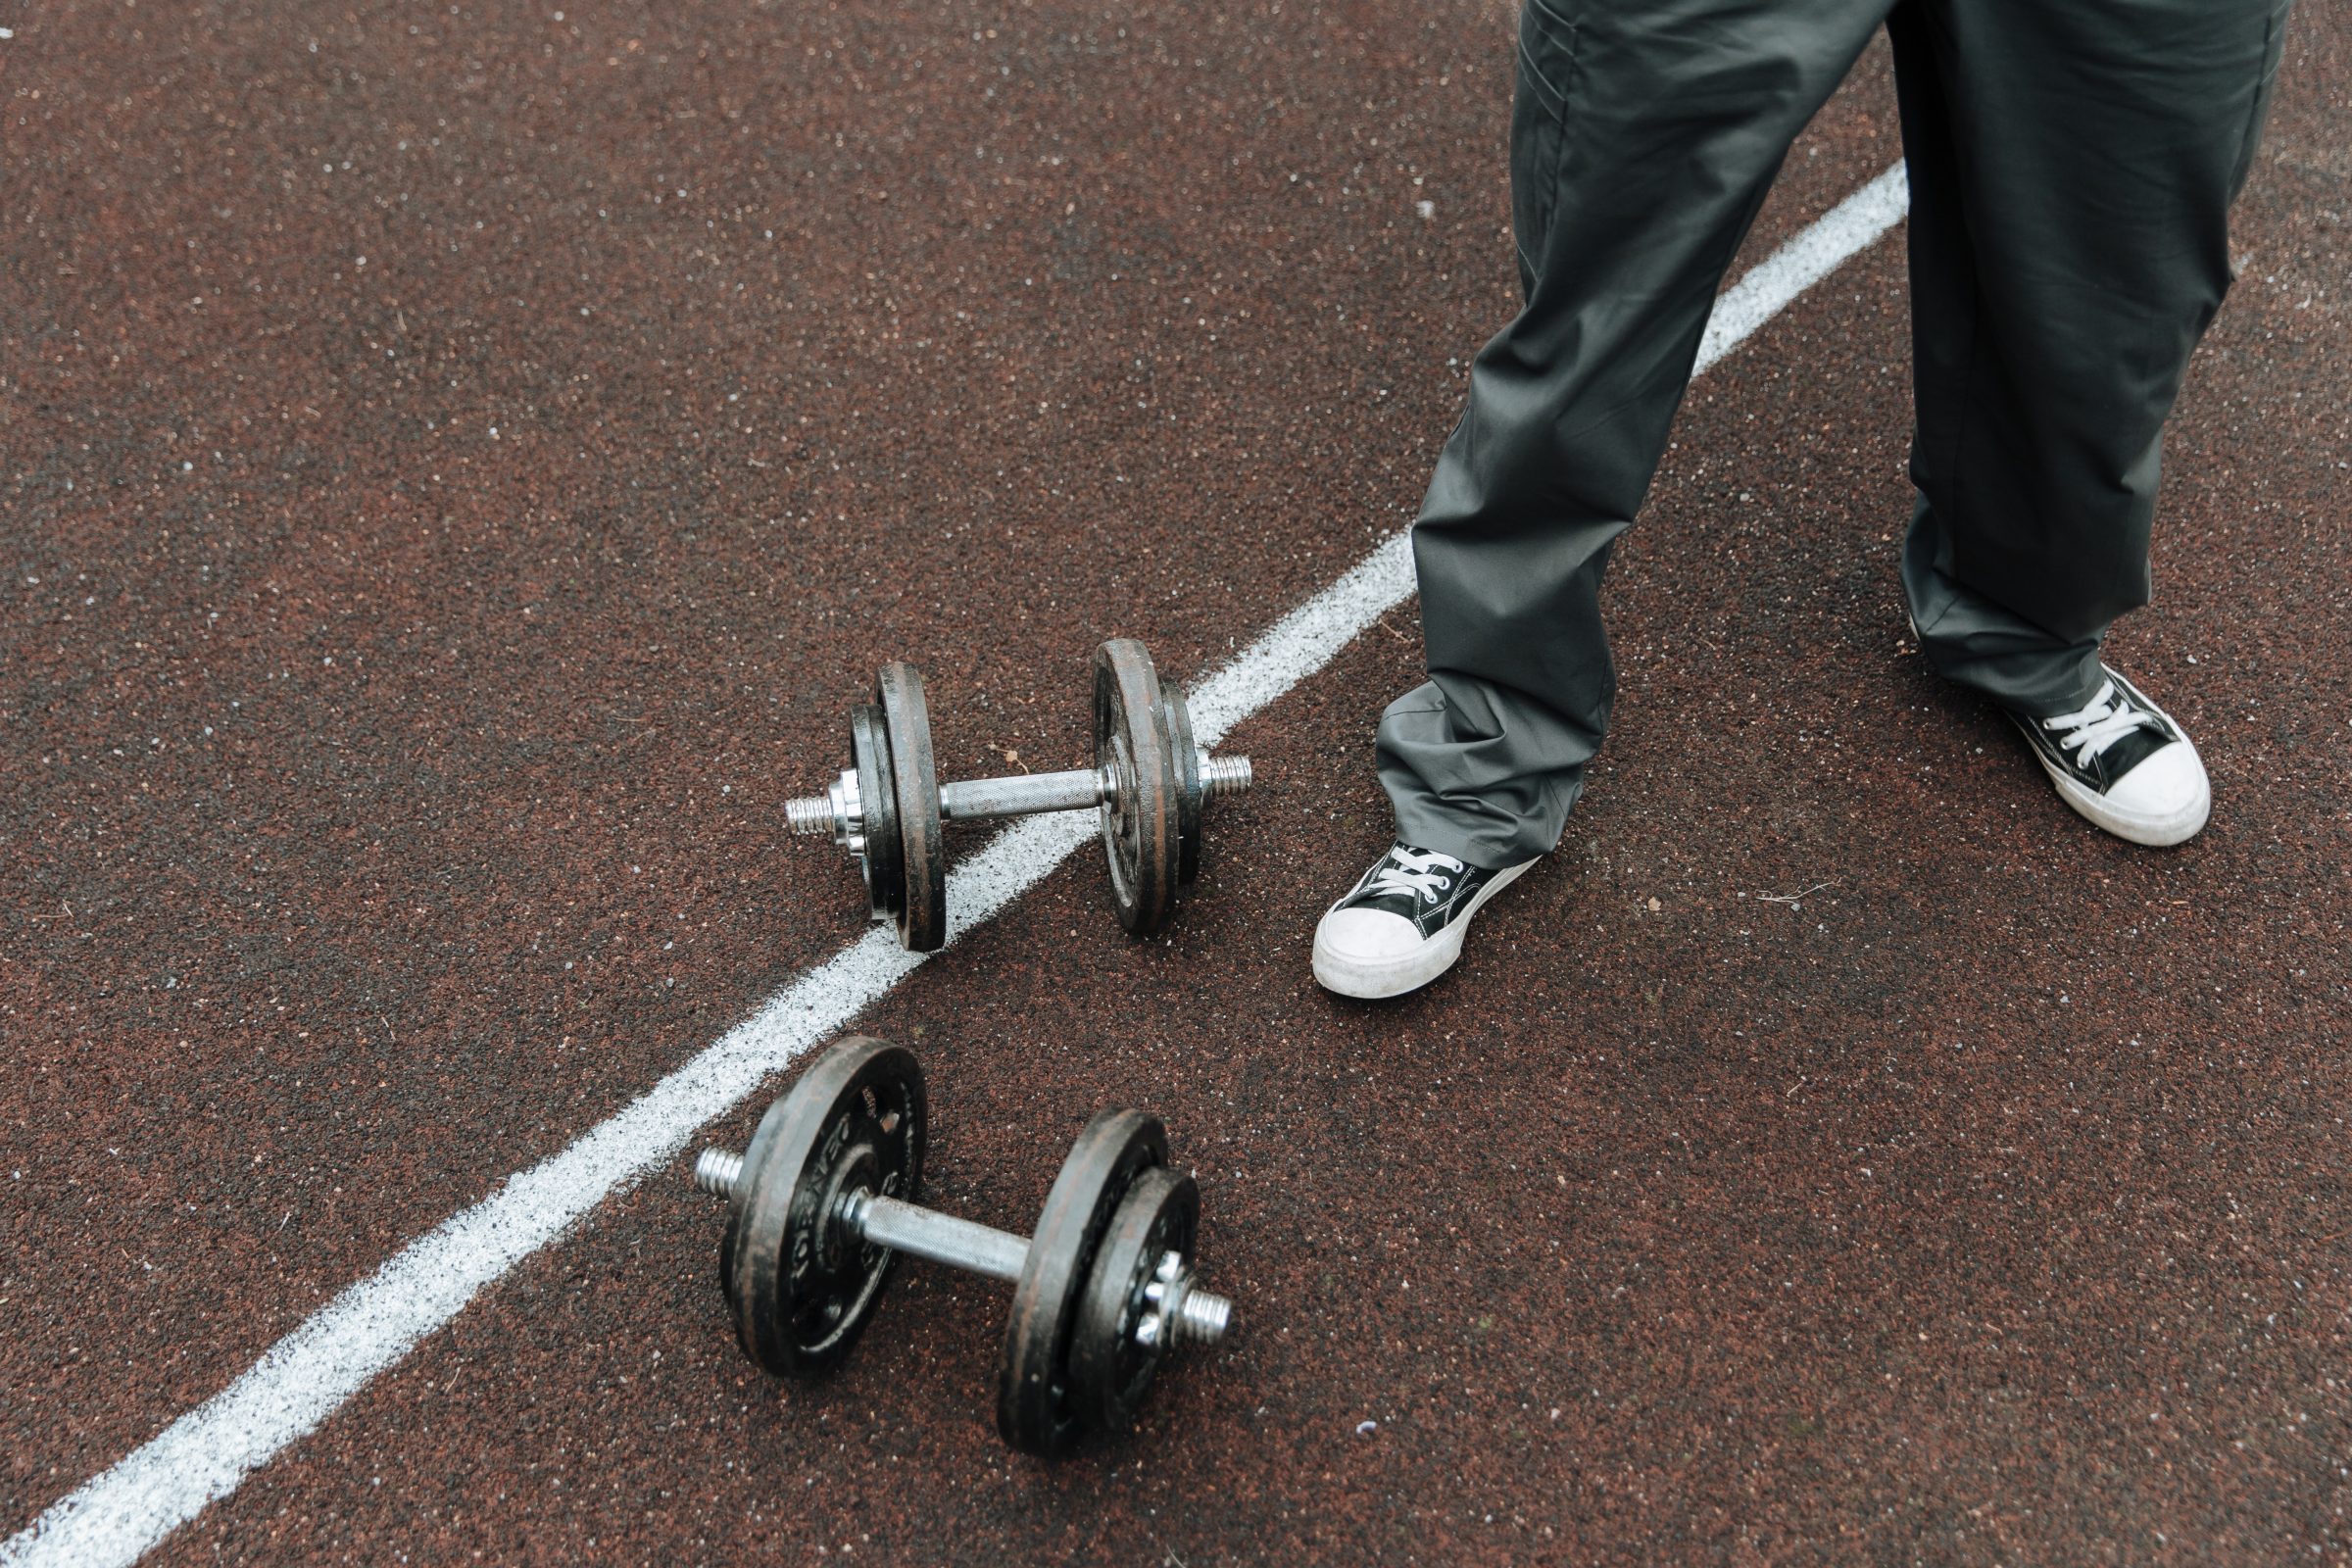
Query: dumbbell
{"x": 1150, "y": 783}
{"x": 822, "y": 1201}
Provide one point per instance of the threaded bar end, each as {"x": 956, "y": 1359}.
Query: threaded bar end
{"x": 1224, "y": 776}
{"x": 1202, "y": 1318}
{"x": 718, "y": 1170}
{"x": 810, "y": 814}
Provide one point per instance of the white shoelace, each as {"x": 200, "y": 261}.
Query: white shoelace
{"x": 2090, "y": 730}
{"x": 1408, "y": 873}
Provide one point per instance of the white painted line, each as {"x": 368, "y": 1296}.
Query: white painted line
{"x": 118, "y": 1515}
{"x": 1845, "y": 231}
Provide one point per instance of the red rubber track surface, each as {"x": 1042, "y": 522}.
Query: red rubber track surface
{"x": 461, "y": 464}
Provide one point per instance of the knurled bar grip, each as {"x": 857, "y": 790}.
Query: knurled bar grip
{"x": 1023, "y": 794}
{"x": 926, "y": 1232}
{"x": 1076, "y": 790}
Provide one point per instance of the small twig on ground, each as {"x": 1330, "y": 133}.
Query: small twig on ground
{"x": 1790, "y": 899}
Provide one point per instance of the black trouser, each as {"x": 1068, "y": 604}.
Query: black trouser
{"x": 2072, "y": 165}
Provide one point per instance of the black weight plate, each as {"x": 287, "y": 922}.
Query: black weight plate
{"x": 1189, "y": 797}
{"x": 1110, "y": 1373}
{"x": 878, "y": 804}
{"x": 1035, "y": 1411}
{"x": 1140, "y": 820}
{"x": 799, "y": 1291}
{"x": 922, "y": 855}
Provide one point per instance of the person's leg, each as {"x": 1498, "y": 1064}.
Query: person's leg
{"x": 2072, "y": 167}
{"x": 1643, "y": 137}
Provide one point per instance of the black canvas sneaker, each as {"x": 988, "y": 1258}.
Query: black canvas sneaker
{"x": 2123, "y": 763}
{"x": 1403, "y": 925}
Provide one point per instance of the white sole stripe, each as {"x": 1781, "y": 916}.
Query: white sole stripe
{"x": 118, "y": 1515}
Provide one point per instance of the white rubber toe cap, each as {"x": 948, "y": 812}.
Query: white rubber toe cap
{"x": 2165, "y": 799}
{"x": 1370, "y": 954}
{"x": 2162, "y": 802}
{"x": 1366, "y": 936}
